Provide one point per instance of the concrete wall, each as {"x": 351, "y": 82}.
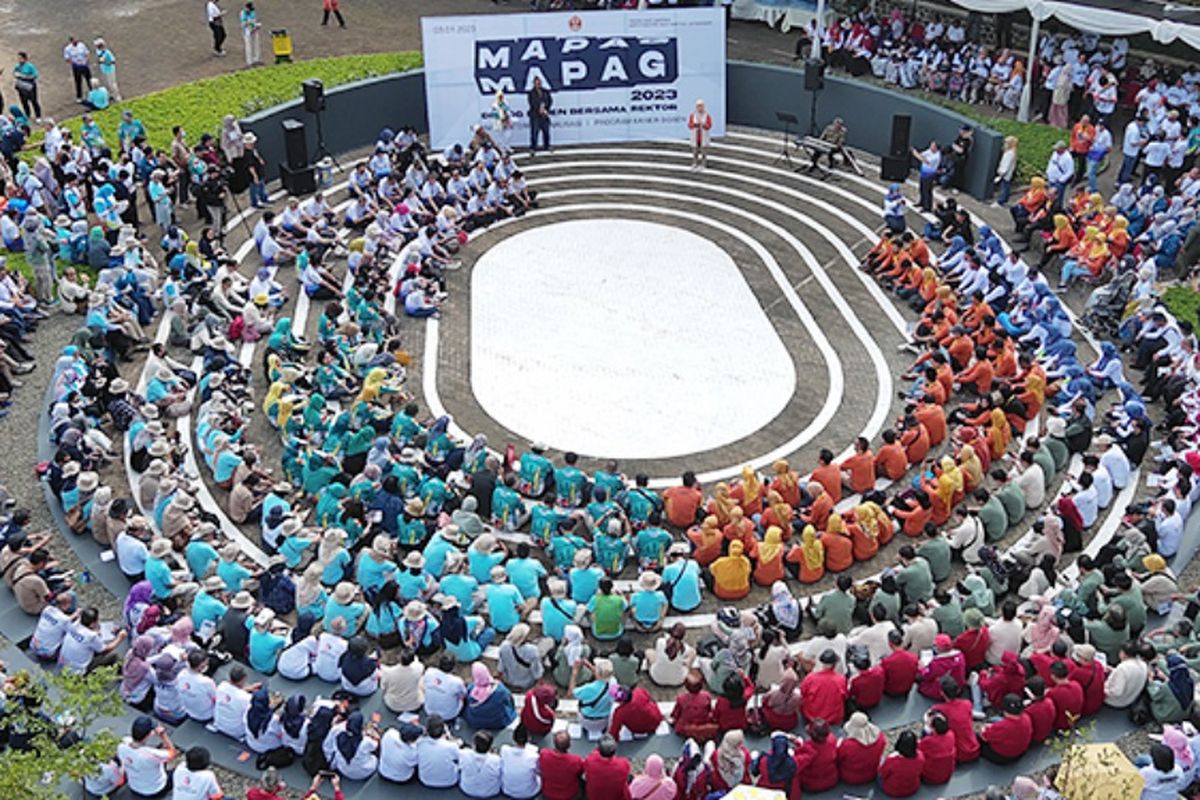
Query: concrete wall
{"x": 756, "y": 91}
{"x": 356, "y": 112}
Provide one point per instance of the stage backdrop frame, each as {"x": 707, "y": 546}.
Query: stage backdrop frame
{"x": 613, "y": 75}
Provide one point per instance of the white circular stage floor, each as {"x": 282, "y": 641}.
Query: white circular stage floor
{"x": 623, "y": 339}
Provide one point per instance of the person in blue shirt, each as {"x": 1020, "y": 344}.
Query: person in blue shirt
{"x": 333, "y": 559}
{"x": 610, "y": 480}
{"x": 558, "y": 610}
{"x": 375, "y": 566}
{"x": 97, "y": 97}
{"x": 419, "y": 630}
{"x": 296, "y": 545}
{"x": 526, "y": 573}
{"x": 458, "y": 583}
{"x": 640, "y": 502}
{"x": 652, "y": 542}
{"x": 230, "y": 570}
{"x": 414, "y": 582}
{"x": 207, "y": 605}
{"x": 611, "y": 547}
{"x": 199, "y": 553}
{"x": 649, "y": 603}
{"x": 265, "y": 643}
{"x": 440, "y": 545}
{"x": 681, "y": 579}
{"x": 564, "y": 545}
{"x": 384, "y": 617}
{"x": 595, "y": 700}
{"x": 411, "y": 531}
{"x": 158, "y": 572}
{"x": 464, "y": 637}
{"x": 484, "y": 554}
{"x": 602, "y": 509}
{"x": 508, "y": 509}
{"x": 505, "y": 605}
{"x": 536, "y": 474}
{"x": 570, "y": 483}
{"x": 544, "y": 519}
{"x": 584, "y": 578}
{"x": 344, "y": 603}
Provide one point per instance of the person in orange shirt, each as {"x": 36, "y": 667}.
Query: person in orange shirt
{"x": 917, "y": 249}
{"x": 960, "y": 348}
{"x": 1118, "y": 238}
{"x": 977, "y": 378}
{"x": 839, "y": 548}
{"x": 865, "y": 545}
{"x": 731, "y": 574}
{"x": 1005, "y": 359}
{"x": 778, "y": 514}
{"x": 973, "y": 318}
{"x": 1029, "y": 204}
{"x": 722, "y": 503}
{"x": 682, "y": 503}
{"x": 933, "y": 417}
{"x": 707, "y": 540}
{"x": 999, "y": 433}
{"x": 914, "y": 440}
{"x": 1083, "y": 133}
{"x": 749, "y": 493}
{"x": 828, "y": 475}
{"x": 1060, "y": 241}
{"x": 890, "y": 461}
{"x": 821, "y": 507}
{"x": 860, "y": 467}
{"x": 912, "y": 515}
{"x": 741, "y": 530}
{"x": 770, "y": 558}
{"x": 880, "y": 256}
{"x": 786, "y": 482}
{"x": 874, "y": 521}
{"x": 808, "y": 556}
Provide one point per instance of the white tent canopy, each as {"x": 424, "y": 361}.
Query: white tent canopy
{"x": 1103, "y": 21}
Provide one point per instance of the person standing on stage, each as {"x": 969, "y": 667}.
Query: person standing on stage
{"x": 929, "y": 159}
{"x": 700, "y": 124}
{"x": 502, "y": 122}
{"x": 540, "y": 102}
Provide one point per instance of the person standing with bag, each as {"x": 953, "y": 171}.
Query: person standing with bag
{"x": 25, "y": 77}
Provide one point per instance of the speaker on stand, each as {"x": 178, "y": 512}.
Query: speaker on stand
{"x": 895, "y": 165}
{"x": 297, "y": 175}
{"x": 814, "y": 82}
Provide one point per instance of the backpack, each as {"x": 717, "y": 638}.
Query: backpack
{"x": 236, "y": 327}
{"x": 277, "y": 591}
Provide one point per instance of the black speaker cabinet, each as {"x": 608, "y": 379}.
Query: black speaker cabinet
{"x": 894, "y": 168}
{"x": 314, "y": 95}
{"x": 901, "y": 123}
{"x": 814, "y": 75}
{"x": 295, "y": 143}
{"x": 297, "y": 182}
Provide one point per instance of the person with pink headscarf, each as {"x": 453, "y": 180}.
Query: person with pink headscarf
{"x": 653, "y": 783}
{"x": 1043, "y": 632}
{"x": 1024, "y": 788}
{"x": 946, "y": 661}
{"x": 489, "y": 702}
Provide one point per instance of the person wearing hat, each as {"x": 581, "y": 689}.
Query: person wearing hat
{"x": 649, "y": 603}
{"x": 484, "y": 554}
{"x": 375, "y": 565}
{"x": 266, "y": 642}
{"x": 131, "y": 548}
{"x": 199, "y": 554}
{"x": 414, "y": 582}
{"x": 343, "y": 604}
{"x": 208, "y": 606}
{"x": 166, "y": 582}
{"x": 146, "y": 766}
{"x": 505, "y": 604}
{"x": 294, "y": 547}
{"x": 1006, "y": 740}
{"x": 412, "y": 529}
{"x": 419, "y": 630}
{"x": 448, "y": 539}
{"x": 233, "y": 630}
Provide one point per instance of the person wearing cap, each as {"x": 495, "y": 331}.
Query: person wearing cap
{"x": 823, "y": 691}
{"x": 343, "y": 604}
{"x": 375, "y": 566}
{"x": 946, "y": 661}
{"x": 166, "y": 582}
{"x": 649, "y": 603}
{"x": 506, "y": 607}
{"x": 146, "y": 766}
{"x": 266, "y": 642}
{"x": 682, "y": 579}
{"x": 207, "y": 605}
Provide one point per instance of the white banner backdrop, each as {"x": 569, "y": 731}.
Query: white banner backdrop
{"x": 612, "y": 75}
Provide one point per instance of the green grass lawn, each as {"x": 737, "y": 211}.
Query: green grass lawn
{"x": 1036, "y": 139}
{"x": 1183, "y": 302}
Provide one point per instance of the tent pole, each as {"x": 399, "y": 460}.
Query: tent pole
{"x": 816, "y": 44}
{"x": 1027, "y": 89}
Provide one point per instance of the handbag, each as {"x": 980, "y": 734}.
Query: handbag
{"x": 24, "y": 85}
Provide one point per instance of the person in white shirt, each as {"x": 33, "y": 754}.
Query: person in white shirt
{"x": 330, "y": 646}
{"x": 77, "y": 54}
{"x": 83, "y": 648}
{"x": 520, "y": 777}
{"x": 1127, "y": 680}
{"x": 351, "y": 750}
{"x": 1114, "y": 461}
{"x": 444, "y": 691}
{"x": 1087, "y": 501}
{"x": 1031, "y": 481}
{"x": 145, "y": 766}
{"x": 131, "y": 553}
{"x": 479, "y": 768}
{"x": 264, "y": 732}
{"x": 874, "y": 636}
{"x": 1136, "y": 136}
{"x": 297, "y": 659}
{"x": 1059, "y": 170}
{"x": 437, "y": 755}
{"x": 398, "y": 753}
{"x": 213, "y": 12}
{"x": 197, "y": 691}
{"x": 193, "y": 780}
{"x": 52, "y": 627}
{"x": 967, "y": 537}
{"x": 1005, "y": 633}
{"x": 233, "y": 698}
{"x": 1101, "y": 481}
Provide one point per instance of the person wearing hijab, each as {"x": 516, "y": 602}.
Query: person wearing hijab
{"x": 539, "y": 712}
{"x": 571, "y": 658}
{"x": 359, "y": 669}
{"x": 722, "y": 504}
{"x": 1171, "y": 694}
{"x": 263, "y": 730}
{"x": 293, "y": 723}
{"x": 783, "y": 612}
{"x": 707, "y": 540}
{"x": 839, "y": 544}
{"x": 693, "y": 772}
{"x": 776, "y": 768}
{"x": 769, "y": 567}
{"x": 489, "y": 703}
{"x": 730, "y": 762}
{"x": 653, "y": 783}
{"x": 731, "y": 574}
{"x": 808, "y": 556}
{"x": 168, "y": 703}
{"x": 350, "y": 752}
{"x": 946, "y": 661}
{"x": 1007, "y": 677}
{"x": 781, "y": 704}
{"x": 976, "y": 594}
{"x": 860, "y": 750}
{"x": 749, "y": 492}
{"x": 636, "y": 711}
{"x": 137, "y": 682}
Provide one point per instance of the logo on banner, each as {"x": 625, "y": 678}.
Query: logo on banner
{"x": 576, "y": 63}
{"x": 574, "y": 23}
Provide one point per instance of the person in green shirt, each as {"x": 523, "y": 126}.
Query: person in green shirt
{"x": 837, "y": 607}
{"x": 1170, "y": 690}
{"x": 992, "y": 514}
{"x": 948, "y": 614}
{"x": 607, "y": 610}
{"x": 1090, "y": 581}
{"x": 1128, "y": 595}
{"x": 1108, "y": 633}
{"x": 914, "y": 577}
{"x": 1056, "y": 429}
{"x": 1043, "y": 458}
{"x": 936, "y": 552}
{"x": 1010, "y": 496}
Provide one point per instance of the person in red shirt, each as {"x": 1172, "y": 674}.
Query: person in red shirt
{"x": 730, "y": 709}
{"x": 1089, "y": 674}
{"x": 829, "y": 475}
{"x": 937, "y": 746}
{"x": 817, "y": 513}
{"x": 730, "y": 762}
{"x": 977, "y": 378}
{"x": 1007, "y": 677}
{"x": 914, "y": 440}
{"x": 1067, "y": 696}
{"x": 1040, "y": 709}
{"x": 692, "y": 716}
{"x": 693, "y": 774}
{"x": 933, "y": 417}
{"x": 815, "y": 756}
{"x": 776, "y": 768}
{"x": 974, "y": 640}
{"x": 538, "y": 713}
{"x": 271, "y": 786}
{"x": 561, "y": 769}
{"x": 960, "y": 714}
{"x": 605, "y": 774}
{"x": 1043, "y": 661}
{"x": 859, "y": 752}
{"x": 1007, "y": 739}
{"x": 890, "y": 461}
{"x": 913, "y": 515}
{"x": 823, "y": 692}
{"x": 682, "y": 503}
{"x": 637, "y": 712}
{"x": 900, "y": 773}
{"x": 860, "y": 467}
{"x": 900, "y": 667}
{"x": 866, "y": 687}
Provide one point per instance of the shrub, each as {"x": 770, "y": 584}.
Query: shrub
{"x": 1037, "y": 139}
{"x": 1183, "y": 302}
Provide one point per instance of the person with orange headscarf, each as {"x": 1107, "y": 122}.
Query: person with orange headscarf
{"x": 1088, "y": 258}
{"x": 839, "y": 547}
{"x": 749, "y": 492}
{"x": 777, "y": 513}
{"x": 731, "y": 574}
{"x": 786, "y": 482}
{"x": 864, "y": 539}
{"x": 1058, "y": 242}
{"x": 999, "y": 433}
{"x": 808, "y": 556}
{"x": 819, "y": 510}
{"x": 707, "y": 541}
{"x": 770, "y": 558}
{"x": 1118, "y": 237}
{"x": 721, "y": 504}
{"x": 741, "y": 530}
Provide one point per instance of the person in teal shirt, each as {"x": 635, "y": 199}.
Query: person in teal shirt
{"x": 640, "y": 502}
{"x": 508, "y": 509}
{"x": 484, "y": 554}
{"x": 97, "y": 97}
{"x": 594, "y": 697}
{"x": 610, "y": 480}
{"x": 564, "y": 545}
{"x": 682, "y": 576}
{"x": 199, "y": 553}
{"x": 447, "y": 540}
{"x": 611, "y": 547}
{"x": 25, "y": 75}
{"x": 411, "y": 530}
{"x": 535, "y": 473}
{"x": 375, "y": 567}
{"x": 343, "y": 604}
{"x": 584, "y": 578}
{"x": 570, "y": 483}
{"x": 232, "y": 571}
{"x": 459, "y": 584}
{"x": 405, "y": 427}
{"x": 157, "y": 571}
{"x": 526, "y": 573}
{"x": 601, "y": 509}
{"x": 558, "y": 610}
{"x": 413, "y": 581}
{"x": 265, "y": 645}
{"x": 432, "y": 492}
{"x": 293, "y": 547}
{"x": 544, "y": 520}
{"x": 652, "y": 543}
{"x": 649, "y": 603}
{"x": 504, "y": 602}
{"x": 130, "y": 130}
{"x": 207, "y": 605}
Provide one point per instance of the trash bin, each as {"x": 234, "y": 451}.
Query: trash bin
{"x": 281, "y": 45}
{"x": 325, "y": 172}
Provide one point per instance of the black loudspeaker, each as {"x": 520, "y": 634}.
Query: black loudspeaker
{"x": 295, "y": 143}
{"x": 314, "y": 95}
{"x": 900, "y": 129}
{"x": 894, "y": 168}
{"x": 297, "y": 182}
{"x": 814, "y": 75}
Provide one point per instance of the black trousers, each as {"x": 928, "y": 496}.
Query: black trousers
{"x": 83, "y": 80}
{"x": 218, "y": 33}
{"x": 539, "y": 127}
